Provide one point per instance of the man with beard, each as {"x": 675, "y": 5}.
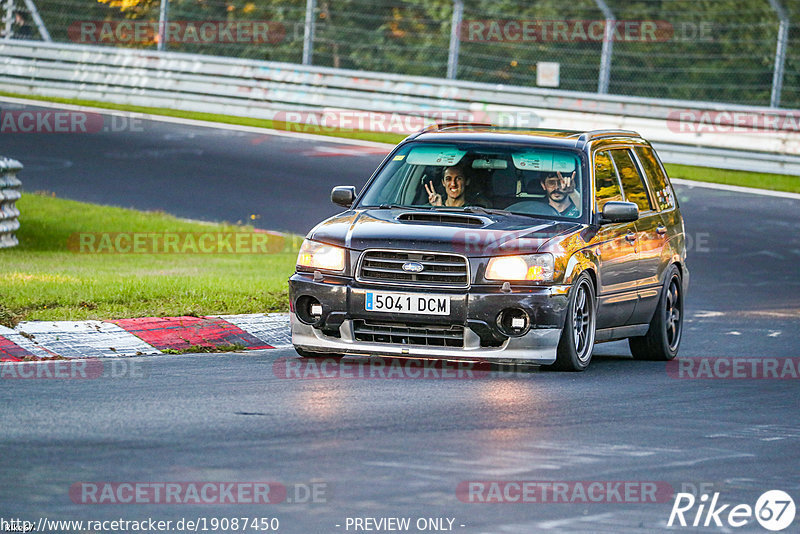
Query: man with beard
{"x": 557, "y": 189}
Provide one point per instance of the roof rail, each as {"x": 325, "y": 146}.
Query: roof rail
{"x": 600, "y": 134}
{"x": 454, "y": 124}
{"x": 435, "y": 126}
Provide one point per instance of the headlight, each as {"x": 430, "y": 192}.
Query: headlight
{"x": 531, "y": 267}
{"x": 315, "y": 255}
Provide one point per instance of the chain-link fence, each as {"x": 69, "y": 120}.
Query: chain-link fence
{"x": 738, "y": 51}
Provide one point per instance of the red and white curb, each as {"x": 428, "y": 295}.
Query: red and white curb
{"x": 136, "y": 337}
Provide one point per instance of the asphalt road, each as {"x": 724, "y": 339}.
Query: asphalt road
{"x": 400, "y": 448}
{"x": 194, "y": 172}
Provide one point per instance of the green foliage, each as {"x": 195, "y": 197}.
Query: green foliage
{"x": 716, "y": 50}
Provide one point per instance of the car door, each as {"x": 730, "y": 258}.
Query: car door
{"x": 657, "y": 240}
{"x": 650, "y": 233}
{"x": 615, "y": 249}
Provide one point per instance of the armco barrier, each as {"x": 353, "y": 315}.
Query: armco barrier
{"x": 9, "y": 194}
{"x": 262, "y": 89}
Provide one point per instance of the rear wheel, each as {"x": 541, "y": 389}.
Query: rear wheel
{"x": 662, "y": 340}
{"x": 577, "y": 338}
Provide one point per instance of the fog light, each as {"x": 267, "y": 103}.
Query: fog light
{"x": 513, "y": 322}
{"x": 308, "y": 310}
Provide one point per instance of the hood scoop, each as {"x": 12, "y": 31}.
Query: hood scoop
{"x": 441, "y": 218}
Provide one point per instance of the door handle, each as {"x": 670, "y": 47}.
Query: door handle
{"x": 630, "y": 236}
{"x": 661, "y": 230}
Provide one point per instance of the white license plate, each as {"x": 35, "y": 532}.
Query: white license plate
{"x": 380, "y": 301}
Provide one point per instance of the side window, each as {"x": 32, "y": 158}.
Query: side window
{"x": 606, "y": 185}
{"x": 631, "y": 180}
{"x": 658, "y": 180}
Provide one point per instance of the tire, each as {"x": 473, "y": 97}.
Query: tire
{"x": 574, "y": 352}
{"x": 307, "y": 354}
{"x": 663, "y": 338}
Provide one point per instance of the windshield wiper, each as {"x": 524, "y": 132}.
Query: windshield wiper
{"x": 452, "y": 209}
{"x": 398, "y": 206}
{"x": 473, "y": 209}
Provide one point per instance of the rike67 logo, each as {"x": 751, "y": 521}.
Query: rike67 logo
{"x": 774, "y": 510}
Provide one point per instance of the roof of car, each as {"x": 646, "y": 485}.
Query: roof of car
{"x": 487, "y": 132}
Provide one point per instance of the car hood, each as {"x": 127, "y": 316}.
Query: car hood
{"x": 427, "y": 230}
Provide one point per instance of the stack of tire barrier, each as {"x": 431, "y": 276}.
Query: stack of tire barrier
{"x": 9, "y": 194}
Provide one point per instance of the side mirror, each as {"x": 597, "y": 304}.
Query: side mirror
{"x": 343, "y": 195}
{"x": 618, "y": 212}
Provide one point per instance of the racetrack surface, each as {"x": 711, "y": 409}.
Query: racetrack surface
{"x": 191, "y": 171}
{"x": 393, "y": 447}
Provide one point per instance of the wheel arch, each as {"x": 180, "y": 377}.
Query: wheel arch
{"x": 580, "y": 262}
{"x": 592, "y": 276}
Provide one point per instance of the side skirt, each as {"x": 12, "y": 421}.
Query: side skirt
{"x": 620, "y": 332}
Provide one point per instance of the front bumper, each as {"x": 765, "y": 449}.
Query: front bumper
{"x": 475, "y": 309}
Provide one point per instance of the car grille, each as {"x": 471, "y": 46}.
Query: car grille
{"x": 439, "y": 269}
{"x": 405, "y": 334}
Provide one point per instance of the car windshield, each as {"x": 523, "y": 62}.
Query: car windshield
{"x": 526, "y": 180}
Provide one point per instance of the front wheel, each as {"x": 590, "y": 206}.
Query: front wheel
{"x": 577, "y": 338}
{"x": 663, "y": 338}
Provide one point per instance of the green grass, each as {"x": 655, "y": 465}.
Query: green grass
{"x": 43, "y": 279}
{"x": 776, "y": 182}
{"x": 194, "y": 349}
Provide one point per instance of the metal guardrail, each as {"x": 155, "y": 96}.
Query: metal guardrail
{"x": 262, "y": 89}
{"x": 9, "y": 194}
{"x": 720, "y": 158}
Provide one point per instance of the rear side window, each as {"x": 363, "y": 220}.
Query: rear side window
{"x": 606, "y": 185}
{"x": 632, "y": 183}
{"x": 658, "y": 180}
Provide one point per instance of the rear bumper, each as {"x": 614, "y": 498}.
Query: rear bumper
{"x": 475, "y": 309}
